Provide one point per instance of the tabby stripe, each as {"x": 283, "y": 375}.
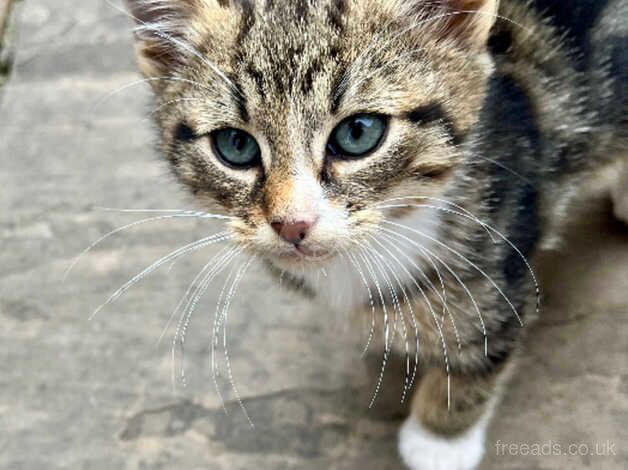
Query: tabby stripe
{"x": 239, "y": 98}
{"x": 335, "y": 13}
{"x": 337, "y": 94}
{"x": 184, "y": 133}
{"x": 248, "y": 20}
{"x": 435, "y": 113}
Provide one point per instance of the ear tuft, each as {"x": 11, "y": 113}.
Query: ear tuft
{"x": 163, "y": 33}
{"x": 468, "y": 21}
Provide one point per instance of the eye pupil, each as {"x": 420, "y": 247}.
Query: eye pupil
{"x": 356, "y": 130}
{"x": 357, "y": 136}
{"x": 238, "y": 141}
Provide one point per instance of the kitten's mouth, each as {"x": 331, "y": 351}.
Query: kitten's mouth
{"x": 303, "y": 253}
{"x": 308, "y": 253}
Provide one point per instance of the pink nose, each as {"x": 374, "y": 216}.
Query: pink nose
{"x": 292, "y": 232}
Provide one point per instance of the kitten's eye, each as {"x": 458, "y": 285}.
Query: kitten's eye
{"x": 357, "y": 135}
{"x": 236, "y": 148}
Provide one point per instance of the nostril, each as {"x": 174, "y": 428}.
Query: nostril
{"x": 277, "y": 227}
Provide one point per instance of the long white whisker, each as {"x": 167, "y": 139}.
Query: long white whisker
{"x": 225, "y": 317}
{"x": 200, "y": 214}
{"x": 187, "y": 214}
{"x": 358, "y": 268}
{"x": 192, "y": 287}
{"x": 386, "y": 205}
{"x": 456, "y": 277}
{"x": 438, "y": 325}
{"x": 177, "y": 42}
{"x": 442, "y": 298}
{"x": 503, "y": 166}
{"x": 113, "y": 93}
{"x": 379, "y": 263}
{"x": 214, "y": 339}
{"x": 410, "y": 376}
{"x": 190, "y": 307}
{"x": 198, "y": 244}
{"x": 380, "y": 379}
{"x": 488, "y": 227}
{"x": 168, "y": 103}
{"x": 440, "y": 294}
{"x": 472, "y": 264}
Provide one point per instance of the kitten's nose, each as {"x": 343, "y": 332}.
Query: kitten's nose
{"x": 292, "y": 232}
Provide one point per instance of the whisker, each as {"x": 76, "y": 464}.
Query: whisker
{"x": 190, "y": 307}
{"x": 200, "y": 214}
{"x": 182, "y": 214}
{"x": 380, "y": 379}
{"x": 456, "y": 277}
{"x": 463, "y": 211}
{"x": 504, "y": 167}
{"x": 442, "y": 298}
{"x": 358, "y": 268}
{"x": 168, "y": 103}
{"x": 487, "y": 227}
{"x": 192, "y": 287}
{"x": 393, "y": 294}
{"x": 434, "y": 317}
{"x": 490, "y": 229}
{"x": 115, "y": 92}
{"x": 225, "y": 315}
{"x": 410, "y": 376}
{"x": 152, "y": 28}
{"x": 214, "y": 339}
{"x": 198, "y": 244}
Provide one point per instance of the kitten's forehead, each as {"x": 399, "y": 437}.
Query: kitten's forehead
{"x": 289, "y": 56}
{"x": 287, "y": 60}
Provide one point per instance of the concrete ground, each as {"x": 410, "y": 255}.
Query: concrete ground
{"x": 97, "y": 394}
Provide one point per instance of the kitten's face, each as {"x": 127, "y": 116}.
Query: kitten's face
{"x": 301, "y": 118}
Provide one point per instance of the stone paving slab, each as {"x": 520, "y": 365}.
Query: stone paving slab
{"x": 97, "y": 394}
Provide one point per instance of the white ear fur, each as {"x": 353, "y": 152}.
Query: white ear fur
{"x": 470, "y": 21}
{"x": 163, "y": 32}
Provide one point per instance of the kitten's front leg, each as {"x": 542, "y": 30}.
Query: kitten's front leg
{"x": 449, "y": 434}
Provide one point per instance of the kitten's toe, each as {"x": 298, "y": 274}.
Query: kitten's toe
{"x": 422, "y": 450}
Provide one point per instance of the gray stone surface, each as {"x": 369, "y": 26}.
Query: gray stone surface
{"x": 98, "y": 394}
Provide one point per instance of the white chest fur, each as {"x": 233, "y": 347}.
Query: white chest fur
{"x": 383, "y": 262}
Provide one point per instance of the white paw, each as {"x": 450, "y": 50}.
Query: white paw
{"x": 423, "y": 450}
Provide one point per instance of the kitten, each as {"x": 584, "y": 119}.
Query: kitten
{"x": 425, "y": 149}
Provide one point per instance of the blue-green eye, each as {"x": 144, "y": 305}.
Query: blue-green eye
{"x": 236, "y": 148}
{"x": 357, "y": 135}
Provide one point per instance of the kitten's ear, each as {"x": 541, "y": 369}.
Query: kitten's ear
{"x": 469, "y": 21}
{"x": 164, "y": 33}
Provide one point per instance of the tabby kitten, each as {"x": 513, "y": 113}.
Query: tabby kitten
{"x": 418, "y": 151}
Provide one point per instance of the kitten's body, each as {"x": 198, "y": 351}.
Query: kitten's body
{"x": 507, "y": 139}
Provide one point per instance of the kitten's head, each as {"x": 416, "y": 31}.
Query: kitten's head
{"x": 299, "y": 118}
